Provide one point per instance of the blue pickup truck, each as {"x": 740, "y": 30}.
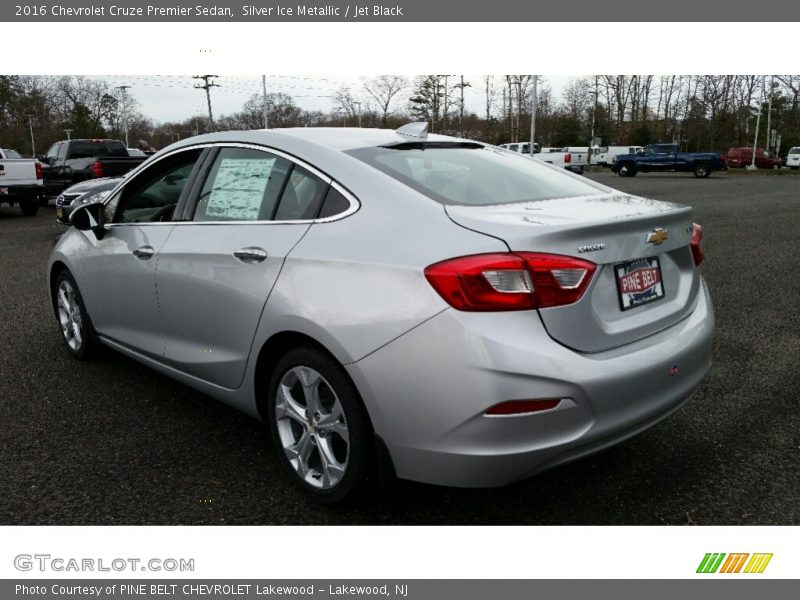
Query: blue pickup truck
{"x": 665, "y": 157}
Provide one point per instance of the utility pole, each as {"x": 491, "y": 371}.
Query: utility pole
{"x": 264, "y": 90}
{"x": 533, "y": 112}
{"x": 769, "y": 115}
{"x": 358, "y": 103}
{"x": 124, "y": 111}
{"x": 461, "y": 86}
{"x": 444, "y": 115}
{"x": 755, "y": 140}
{"x": 207, "y": 85}
{"x": 33, "y": 144}
{"x": 594, "y": 120}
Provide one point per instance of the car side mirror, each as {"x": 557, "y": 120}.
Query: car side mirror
{"x": 90, "y": 217}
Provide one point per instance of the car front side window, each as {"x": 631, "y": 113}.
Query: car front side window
{"x": 152, "y": 195}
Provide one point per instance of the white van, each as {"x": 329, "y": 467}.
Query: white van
{"x": 793, "y": 160}
{"x": 606, "y": 154}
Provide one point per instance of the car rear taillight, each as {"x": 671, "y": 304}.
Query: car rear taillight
{"x": 39, "y": 174}
{"x": 521, "y": 407}
{"x": 97, "y": 169}
{"x": 567, "y": 158}
{"x": 697, "y": 248}
{"x": 510, "y": 281}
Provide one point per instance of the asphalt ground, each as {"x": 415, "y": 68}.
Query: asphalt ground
{"x": 112, "y": 442}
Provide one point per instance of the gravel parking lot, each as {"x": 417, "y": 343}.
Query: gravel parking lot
{"x": 113, "y": 442}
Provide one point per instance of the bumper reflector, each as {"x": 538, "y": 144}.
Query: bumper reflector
{"x": 521, "y": 407}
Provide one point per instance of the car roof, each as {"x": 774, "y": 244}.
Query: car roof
{"x": 335, "y": 138}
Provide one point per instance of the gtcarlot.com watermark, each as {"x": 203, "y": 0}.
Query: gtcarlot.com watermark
{"x": 58, "y": 564}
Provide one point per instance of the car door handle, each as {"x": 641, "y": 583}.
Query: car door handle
{"x": 251, "y": 254}
{"x": 144, "y": 252}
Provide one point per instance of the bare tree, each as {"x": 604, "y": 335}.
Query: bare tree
{"x": 383, "y": 89}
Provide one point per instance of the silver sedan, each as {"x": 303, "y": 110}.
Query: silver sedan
{"x": 393, "y": 302}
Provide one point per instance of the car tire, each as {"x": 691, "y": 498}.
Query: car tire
{"x": 44, "y": 201}
{"x": 627, "y": 170}
{"x": 702, "y": 170}
{"x": 76, "y": 327}
{"x": 320, "y": 428}
{"x": 29, "y": 208}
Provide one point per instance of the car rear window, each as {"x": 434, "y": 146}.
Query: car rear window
{"x": 12, "y": 154}
{"x": 795, "y": 150}
{"x": 97, "y": 149}
{"x": 471, "y": 174}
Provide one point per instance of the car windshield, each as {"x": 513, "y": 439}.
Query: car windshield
{"x": 795, "y": 150}
{"x": 471, "y": 174}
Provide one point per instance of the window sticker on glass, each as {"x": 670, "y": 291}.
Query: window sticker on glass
{"x": 239, "y": 187}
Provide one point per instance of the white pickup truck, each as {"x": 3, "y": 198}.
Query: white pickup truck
{"x": 553, "y": 156}
{"x": 21, "y": 181}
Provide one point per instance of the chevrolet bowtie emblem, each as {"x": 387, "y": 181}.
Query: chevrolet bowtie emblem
{"x": 657, "y": 237}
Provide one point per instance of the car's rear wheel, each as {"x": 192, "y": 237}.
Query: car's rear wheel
{"x": 29, "y": 207}
{"x": 702, "y": 170}
{"x": 73, "y": 320}
{"x": 319, "y": 427}
{"x": 776, "y": 167}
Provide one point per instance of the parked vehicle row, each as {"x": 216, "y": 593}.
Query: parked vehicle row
{"x": 20, "y": 181}
{"x": 540, "y": 316}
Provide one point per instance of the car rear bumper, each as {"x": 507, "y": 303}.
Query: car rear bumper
{"x": 427, "y": 393}
{"x": 20, "y": 192}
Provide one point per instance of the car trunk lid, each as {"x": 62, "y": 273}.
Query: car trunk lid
{"x": 624, "y": 235}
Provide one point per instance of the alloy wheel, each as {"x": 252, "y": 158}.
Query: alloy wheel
{"x": 69, "y": 316}
{"x": 312, "y": 427}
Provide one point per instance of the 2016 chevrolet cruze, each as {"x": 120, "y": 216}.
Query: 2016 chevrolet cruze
{"x": 393, "y": 301}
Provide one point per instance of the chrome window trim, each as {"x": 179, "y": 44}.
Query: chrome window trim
{"x": 355, "y": 204}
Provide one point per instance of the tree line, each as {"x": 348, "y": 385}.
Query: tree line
{"x": 700, "y": 112}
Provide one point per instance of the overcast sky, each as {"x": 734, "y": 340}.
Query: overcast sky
{"x": 174, "y": 97}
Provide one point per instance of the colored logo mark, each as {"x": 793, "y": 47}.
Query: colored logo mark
{"x": 719, "y": 562}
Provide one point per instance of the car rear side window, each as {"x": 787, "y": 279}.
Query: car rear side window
{"x": 301, "y": 196}
{"x": 242, "y": 185}
{"x": 335, "y": 203}
{"x": 255, "y": 185}
{"x": 472, "y": 175}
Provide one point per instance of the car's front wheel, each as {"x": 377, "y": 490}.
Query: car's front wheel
{"x": 73, "y": 320}
{"x": 319, "y": 427}
{"x": 627, "y": 170}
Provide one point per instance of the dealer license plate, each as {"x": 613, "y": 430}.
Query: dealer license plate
{"x": 639, "y": 282}
{"x": 60, "y": 213}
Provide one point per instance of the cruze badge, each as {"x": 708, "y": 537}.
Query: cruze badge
{"x": 657, "y": 237}
{"x": 592, "y": 247}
